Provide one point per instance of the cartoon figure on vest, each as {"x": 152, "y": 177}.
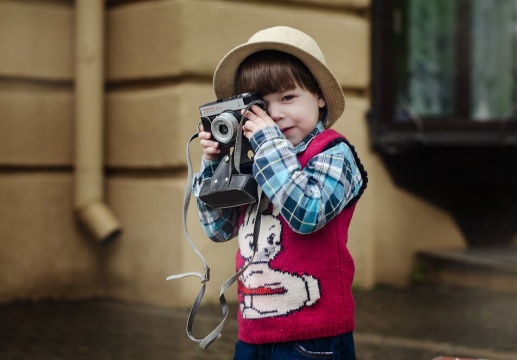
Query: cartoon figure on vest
{"x": 295, "y": 295}
{"x": 267, "y": 292}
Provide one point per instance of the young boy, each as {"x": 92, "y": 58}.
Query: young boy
{"x": 295, "y": 297}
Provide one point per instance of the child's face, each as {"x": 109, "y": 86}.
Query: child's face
{"x": 295, "y": 112}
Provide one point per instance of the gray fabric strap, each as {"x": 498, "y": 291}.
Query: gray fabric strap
{"x": 238, "y": 137}
{"x": 216, "y": 333}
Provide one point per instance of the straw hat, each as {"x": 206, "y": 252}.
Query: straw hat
{"x": 291, "y": 41}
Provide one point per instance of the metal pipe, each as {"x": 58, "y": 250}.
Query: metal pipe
{"x": 92, "y": 212}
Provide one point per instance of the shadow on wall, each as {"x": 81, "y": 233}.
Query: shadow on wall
{"x": 478, "y": 186}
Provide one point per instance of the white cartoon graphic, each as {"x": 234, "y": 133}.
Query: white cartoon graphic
{"x": 268, "y": 292}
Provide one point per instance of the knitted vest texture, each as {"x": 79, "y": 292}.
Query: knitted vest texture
{"x": 298, "y": 286}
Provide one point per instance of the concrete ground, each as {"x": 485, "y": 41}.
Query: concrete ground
{"x": 399, "y": 324}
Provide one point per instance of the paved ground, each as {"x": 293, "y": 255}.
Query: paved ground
{"x": 417, "y": 323}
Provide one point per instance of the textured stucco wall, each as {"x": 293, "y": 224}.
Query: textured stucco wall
{"x": 43, "y": 253}
{"x": 160, "y": 56}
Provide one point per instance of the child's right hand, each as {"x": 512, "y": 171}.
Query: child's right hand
{"x": 211, "y": 149}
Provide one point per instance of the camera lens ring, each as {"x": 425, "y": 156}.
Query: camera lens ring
{"x": 224, "y": 127}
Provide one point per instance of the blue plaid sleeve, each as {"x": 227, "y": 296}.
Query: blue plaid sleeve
{"x": 307, "y": 198}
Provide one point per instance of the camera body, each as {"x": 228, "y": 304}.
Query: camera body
{"x": 230, "y": 187}
{"x": 222, "y": 117}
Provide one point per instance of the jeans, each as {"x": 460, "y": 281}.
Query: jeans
{"x": 340, "y": 347}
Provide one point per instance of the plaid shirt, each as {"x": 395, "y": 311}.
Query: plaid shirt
{"x": 307, "y": 198}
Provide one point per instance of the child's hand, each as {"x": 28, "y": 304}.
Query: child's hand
{"x": 211, "y": 149}
{"x": 257, "y": 119}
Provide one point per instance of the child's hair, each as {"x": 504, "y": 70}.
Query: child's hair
{"x": 270, "y": 71}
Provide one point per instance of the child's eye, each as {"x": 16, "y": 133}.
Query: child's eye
{"x": 288, "y": 97}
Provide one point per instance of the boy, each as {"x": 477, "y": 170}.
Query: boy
{"x": 295, "y": 297}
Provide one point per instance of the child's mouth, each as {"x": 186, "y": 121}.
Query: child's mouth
{"x": 287, "y": 130}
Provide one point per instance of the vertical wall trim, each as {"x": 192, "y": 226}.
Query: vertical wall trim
{"x": 92, "y": 212}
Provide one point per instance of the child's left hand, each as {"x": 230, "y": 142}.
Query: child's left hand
{"x": 257, "y": 119}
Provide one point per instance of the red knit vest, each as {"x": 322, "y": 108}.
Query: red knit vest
{"x": 298, "y": 286}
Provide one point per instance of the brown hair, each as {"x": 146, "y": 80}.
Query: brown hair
{"x": 269, "y": 71}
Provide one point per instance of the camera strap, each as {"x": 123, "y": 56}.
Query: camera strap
{"x": 238, "y": 137}
{"x": 216, "y": 333}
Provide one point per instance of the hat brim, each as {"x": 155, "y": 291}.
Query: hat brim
{"x": 226, "y": 71}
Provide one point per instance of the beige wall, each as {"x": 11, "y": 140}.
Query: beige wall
{"x": 160, "y": 56}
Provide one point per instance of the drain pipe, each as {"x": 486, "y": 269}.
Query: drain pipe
{"x": 91, "y": 210}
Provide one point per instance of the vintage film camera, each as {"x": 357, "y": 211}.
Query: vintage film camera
{"x": 222, "y": 118}
{"x": 230, "y": 186}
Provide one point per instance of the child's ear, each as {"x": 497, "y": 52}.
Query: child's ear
{"x": 321, "y": 102}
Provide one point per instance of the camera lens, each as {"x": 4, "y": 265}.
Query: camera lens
{"x": 224, "y": 127}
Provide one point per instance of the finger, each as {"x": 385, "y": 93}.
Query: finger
{"x": 211, "y": 153}
{"x": 249, "y": 126}
{"x": 211, "y": 150}
{"x": 209, "y": 143}
{"x": 205, "y": 135}
{"x": 248, "y": 133}
{"x": 258, "y": 110}
{"x": 247, "y": 113}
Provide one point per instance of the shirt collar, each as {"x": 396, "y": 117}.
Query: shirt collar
{"x": 305, "y": 142}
